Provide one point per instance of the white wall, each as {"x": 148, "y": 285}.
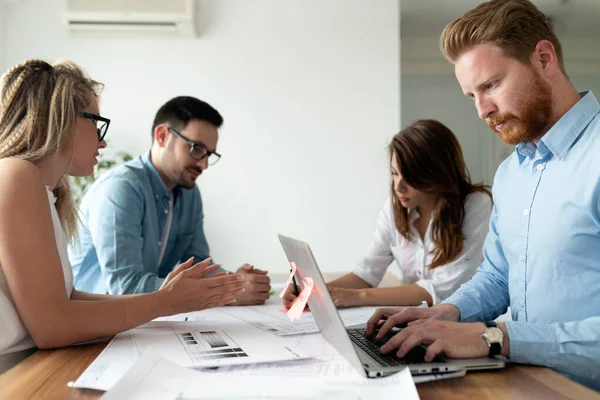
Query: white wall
{"x": 588, "y": 82}
{"x": 2, "y": 35}
{"x": 439, "y": 97}
{"x": 310, "y": 95}
{"x": 430, "y": 90}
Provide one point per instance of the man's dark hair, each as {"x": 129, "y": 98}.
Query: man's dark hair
{"x": 180, "y": 110}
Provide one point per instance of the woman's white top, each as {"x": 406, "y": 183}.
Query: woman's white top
{"x": 15, "y": 342}
{"x": 415, "y": 255}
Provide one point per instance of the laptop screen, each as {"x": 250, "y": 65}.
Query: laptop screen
{"x": 321, "y": 305}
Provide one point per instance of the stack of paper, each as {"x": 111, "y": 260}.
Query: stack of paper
{"x": 273, "y": 319}
{"x": 188, "y": 344}
{"x": 258, "y": 348}
{"x": 153, "y": 377}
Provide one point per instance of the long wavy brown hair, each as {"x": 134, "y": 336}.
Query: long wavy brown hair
{"x": 39, "y": 108}
{"x": 431, "y": 161}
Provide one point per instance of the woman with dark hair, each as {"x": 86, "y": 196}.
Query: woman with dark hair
{"x": 433, "y": 225}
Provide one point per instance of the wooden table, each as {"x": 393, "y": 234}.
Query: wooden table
{"x": 45, "y": 375}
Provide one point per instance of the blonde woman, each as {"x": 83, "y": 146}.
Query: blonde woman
{"x": 50, "y": 128}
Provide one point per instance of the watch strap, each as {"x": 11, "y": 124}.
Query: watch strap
{"x": 495, "y": 348}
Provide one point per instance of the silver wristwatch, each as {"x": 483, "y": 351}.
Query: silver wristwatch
{"x": 494, "y": 337}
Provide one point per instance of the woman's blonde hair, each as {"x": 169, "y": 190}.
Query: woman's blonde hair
{"x": 515, "y": 26}
{"x": 39, "y": 108}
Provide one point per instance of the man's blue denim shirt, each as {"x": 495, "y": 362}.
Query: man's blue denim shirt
{"x": 122, "y": 218}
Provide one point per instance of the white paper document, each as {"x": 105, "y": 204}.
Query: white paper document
{"x": 153, "y": 377}
{"x": 326, "y": 362}
{"x": 273, "y": 318}
{"x": 188, "y": 344}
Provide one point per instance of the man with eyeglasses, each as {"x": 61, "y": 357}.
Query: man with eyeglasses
{"x": 139, "y": 220}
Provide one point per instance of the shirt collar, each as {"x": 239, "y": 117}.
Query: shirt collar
{"x": 563, "y": 134}
{"x": 413, "y": 214}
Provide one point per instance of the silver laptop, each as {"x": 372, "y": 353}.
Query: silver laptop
{"x": 360, "y": 351}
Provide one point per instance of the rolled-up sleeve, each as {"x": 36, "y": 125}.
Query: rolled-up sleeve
{"x": 372, "y": 267}
{"x": 444, "y": 280}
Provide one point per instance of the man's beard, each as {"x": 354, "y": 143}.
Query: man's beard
{"x": 183, "y": 180}
{"x": 535, "y": 114}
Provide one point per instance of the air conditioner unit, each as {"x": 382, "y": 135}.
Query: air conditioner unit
{"x": 172, "y": 17}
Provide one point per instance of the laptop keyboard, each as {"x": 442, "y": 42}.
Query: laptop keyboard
{"x": 370, "y": 346}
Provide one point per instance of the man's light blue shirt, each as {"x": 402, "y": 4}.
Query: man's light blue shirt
{"x": 123, "y": 216}
{"x": 542, "y": 252}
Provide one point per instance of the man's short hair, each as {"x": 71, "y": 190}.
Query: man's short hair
{"x": 515, "y": 26}
{"x": 180, "y": 110}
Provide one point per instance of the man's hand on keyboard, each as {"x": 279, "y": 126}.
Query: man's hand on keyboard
{"x": 387, "y": 318}
{"x": 454, "y": 339}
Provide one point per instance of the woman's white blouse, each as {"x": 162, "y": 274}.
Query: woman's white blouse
{"x": 14, "y": 337}
{"x": 413, "y": 256}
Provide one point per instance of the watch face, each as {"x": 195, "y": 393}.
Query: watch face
{"x": 494, "y": 335}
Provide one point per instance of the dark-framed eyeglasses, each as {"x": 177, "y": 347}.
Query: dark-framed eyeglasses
{"x": 197, "y": 150}
{"x": 100, "y": 122}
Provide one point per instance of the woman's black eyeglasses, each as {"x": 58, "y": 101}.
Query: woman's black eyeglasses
{"x": 197, "y": 150}
{"x": 101, "y": 124}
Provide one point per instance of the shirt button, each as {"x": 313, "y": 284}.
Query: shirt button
{"x": 522, "y": 258}
{"x": 525, "y": 212}
{"x": 159, "y": 243}
{"x": 541, "y": 167}
{"x": 522, "y": 304}
{"x": 157, "y": 196}
{"x": 419, "y": 273}
{"x": 166, "y": 211}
